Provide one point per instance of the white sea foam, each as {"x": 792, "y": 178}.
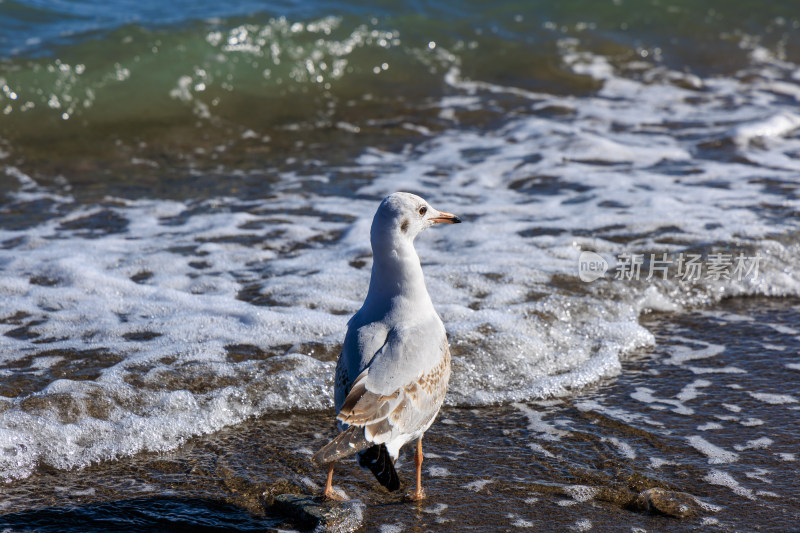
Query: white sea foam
{"x": 774, "y": 399}
{"x": 582, "y": 525}
{"x": 625, "y": 449}
{"x": 715, "y": 454}
{"x": 439, "y": 471}
{"x": 691, "y": 391}
{"x": 718, "y": 477}
{"x": 581, "y": 493}
{"x": 478, "y": 485}
{"x": 436, "y": 509}
{"x": 567, "y": 503}
{"x": 782, "y": 328}
{"x": 716, "y": 370}
{"x": 198, "y": 315}
{"x": 518, "y": 522}
{"x": 775, "y": 126}
{"x": 732, "y": 407}
{"x": 774, "y": 347}
{"x": 755, "y": 444}
{"x": 645, "y": 395}
{"x": 657, "y": 462}
{"x": 615, "y": 412}
{"x": 680, "y": 354}
{"x": 538, "y": 448}
{"x": 537, "y": 425}
{"x": 760, "y": 474}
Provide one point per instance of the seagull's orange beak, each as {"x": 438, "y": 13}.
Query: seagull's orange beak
{"x": 447, "y": 218}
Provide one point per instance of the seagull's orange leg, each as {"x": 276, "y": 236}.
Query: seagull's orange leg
{"x": 418, "y": 494}
{"x": 329, "y": 493}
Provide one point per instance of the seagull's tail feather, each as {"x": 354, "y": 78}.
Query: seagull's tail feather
{"x": 347, "y": 443}
{"x": 377, "y": 459}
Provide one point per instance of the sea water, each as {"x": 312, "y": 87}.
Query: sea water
{"x": 188, "y": 192}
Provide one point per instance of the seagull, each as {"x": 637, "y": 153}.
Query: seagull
{"x": 392, "y": 374}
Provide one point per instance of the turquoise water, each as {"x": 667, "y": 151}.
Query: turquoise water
{"x": 89, "y": 87}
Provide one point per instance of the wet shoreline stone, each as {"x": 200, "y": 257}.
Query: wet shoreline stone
{"x": 667, "y": 502}
{"x": 319, "y": 514}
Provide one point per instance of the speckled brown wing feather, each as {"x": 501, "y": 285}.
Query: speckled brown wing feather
{"x": 405, "y": 411}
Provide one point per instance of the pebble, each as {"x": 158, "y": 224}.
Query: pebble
{"x": 670, "y": 503}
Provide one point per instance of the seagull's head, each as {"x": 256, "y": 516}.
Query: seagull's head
{"x": 405, "y": 215}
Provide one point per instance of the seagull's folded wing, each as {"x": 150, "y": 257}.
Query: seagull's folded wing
{"x": 400, "y": 392}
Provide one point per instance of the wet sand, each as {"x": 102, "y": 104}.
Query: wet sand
{"x": 720, "y": 428}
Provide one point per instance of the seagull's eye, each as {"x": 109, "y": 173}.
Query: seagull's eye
{"x": 422, "y": 211}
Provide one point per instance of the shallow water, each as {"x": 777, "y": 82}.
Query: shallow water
{"x": 706, "y": 412}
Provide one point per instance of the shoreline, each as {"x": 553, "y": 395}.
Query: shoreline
{"x": 715, "y": 427}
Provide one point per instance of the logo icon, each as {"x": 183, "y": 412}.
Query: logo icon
{"x": 591, "y": 266}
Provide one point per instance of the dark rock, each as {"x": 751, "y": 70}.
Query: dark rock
{"x": 321, "y": 514}
{"x": 670, "y": 503}
{"x": 276, "y": 488}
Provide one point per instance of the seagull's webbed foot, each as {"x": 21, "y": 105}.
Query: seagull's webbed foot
{"x": 416, "y": 496}
{"x": 330, "y": 494}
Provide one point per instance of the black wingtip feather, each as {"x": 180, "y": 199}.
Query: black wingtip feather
{"x": 345, "y": 444}
{"x": 378, "y": 460}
